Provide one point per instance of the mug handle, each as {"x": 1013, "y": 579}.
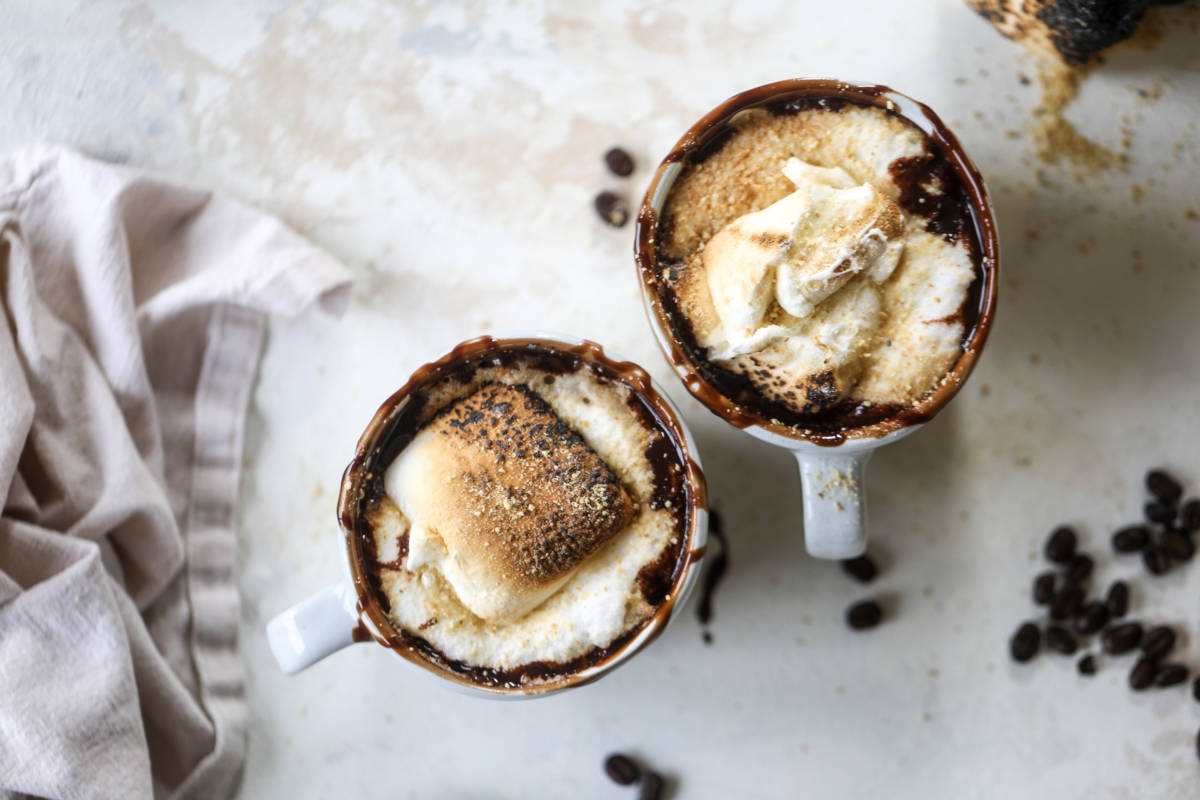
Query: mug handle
{"x": 313, "y": 628}
{"x": 835, "y": 502}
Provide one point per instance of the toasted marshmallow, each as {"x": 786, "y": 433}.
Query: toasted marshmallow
{"x": 845, "y": 232}
{"x": 1074, "y": 31}
{"x": 742, "y": 261}
{"x": 796, "y": 253}
{"x": 504, "y": 500}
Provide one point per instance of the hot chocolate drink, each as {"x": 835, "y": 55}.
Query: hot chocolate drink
{"x": 526, "y": 514}
{"x": 818, "y": 261}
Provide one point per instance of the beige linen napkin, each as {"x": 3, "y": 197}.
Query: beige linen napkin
{"x": 132, "y": 313}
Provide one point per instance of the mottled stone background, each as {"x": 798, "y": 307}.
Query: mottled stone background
{"x": 448, "y": 153}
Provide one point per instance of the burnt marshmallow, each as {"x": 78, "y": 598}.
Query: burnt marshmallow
{"x": 518, "y": 524}
{"x": 505, "y": 500}
{"x": 799, "y": 269}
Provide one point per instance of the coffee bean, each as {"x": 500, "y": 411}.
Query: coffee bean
{"x": 1178, "y": 544}
{"x": 1189, "y": 517}
{"x": 1066, "y": 602}
{"x": 1092, "y": 617}
{"x": 1087, "y": 665}
{"x": 864, "y": 614}
{"x": 1080, "y": 567}
{"x": 1163, "y": 486}
{"x": 1120, "y": 639}
{"x": 1117, "y": 600}
{"x": 1170, "y": 675}
{"x": 1060, "y": 640}
{"x": 611, "y": 208}
{"x": 1060, "y": 546}
{"x": 1158, "y": 511}
{"x": 1157, "y": 642}
{"x": 622, "y": 769}
{"x": 1025, "y": 642}
{"x": 652, "y": 787}
{"x": 1198, "y": 743}
{"x": 1196, "y": 690}
{"x": 1142, "y": 674}
{"x": 619, "y": 161}
{"x": 862, "y": 569}
{"x": 1131, "y": 539}
{"x": 1043, "y": 588}
{"x": 1156, "y": 559}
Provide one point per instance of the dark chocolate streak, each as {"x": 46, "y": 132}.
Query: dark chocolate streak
{"x": 678, "y": 484}
{"x": 953, "y": 214}
{"x": 714, "y": 571}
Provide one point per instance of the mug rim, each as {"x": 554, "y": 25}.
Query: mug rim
{"x": 373, "y": 620}
{"x": 646, "y": 263}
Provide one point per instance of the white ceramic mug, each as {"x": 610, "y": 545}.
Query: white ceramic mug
{"x": 348, "y": 610}
{"x": 832, "y": 464}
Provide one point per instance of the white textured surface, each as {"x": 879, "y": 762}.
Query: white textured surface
{"x": 448, "y": 153}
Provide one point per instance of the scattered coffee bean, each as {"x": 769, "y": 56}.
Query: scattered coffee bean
{"x": 622, "y": 769}
{"x": 1170, "y": 675}
{"x": 1080, "y": 567}
{"x": 1043, "y": 588}
{"x": 862, "y": 569}
{"x": 1142, "y": 674}
{"x": 1066, "y": 602}
{"x": 1131, "y": 539}
{"x": 1060, "y": 640}
{"x": 1156, "y": 559}
{"x": 1025, "y": 642}
{"x": 864, "y": 614}
{"x": 1163, "y": 486}
{"x": 1158, "y": 511}
{"x": 1120, "y": 639}
{"x": 1157, "y": 642}
{"x": 1178, "y": 544}
{"x": 612, "y": 209}
{"x": 619, "y": 161}
{"x": 1189, "y": 517}
{"x": 1117, "y": 599}
{"x": 1167, "y": 543}
{"x": 1092, "y": 617}
{"x": 652, "y": 787}
{"x": 1060, "y": 546}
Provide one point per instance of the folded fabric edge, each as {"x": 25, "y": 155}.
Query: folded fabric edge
{"x": 235, "y": 337}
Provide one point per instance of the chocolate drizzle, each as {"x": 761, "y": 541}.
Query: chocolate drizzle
{"x": 656, "y": 578}
{"x": 713, "y": 573}
{"x": 678, "y": 484}
{"x": 944, "y": 210}
{"x": 961, "y": 213}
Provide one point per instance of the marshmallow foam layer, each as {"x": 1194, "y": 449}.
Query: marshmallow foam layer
{"x": 796, "y": 269}
{"x": 602, "y": 599}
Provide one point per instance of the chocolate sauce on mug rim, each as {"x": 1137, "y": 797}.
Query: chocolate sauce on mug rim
{"x": 730, "y": 395}
{"x": 397, "y": 422}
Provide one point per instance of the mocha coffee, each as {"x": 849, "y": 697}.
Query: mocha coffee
{"x": 818, "y": 261}
{"x": 526, "y": 513}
